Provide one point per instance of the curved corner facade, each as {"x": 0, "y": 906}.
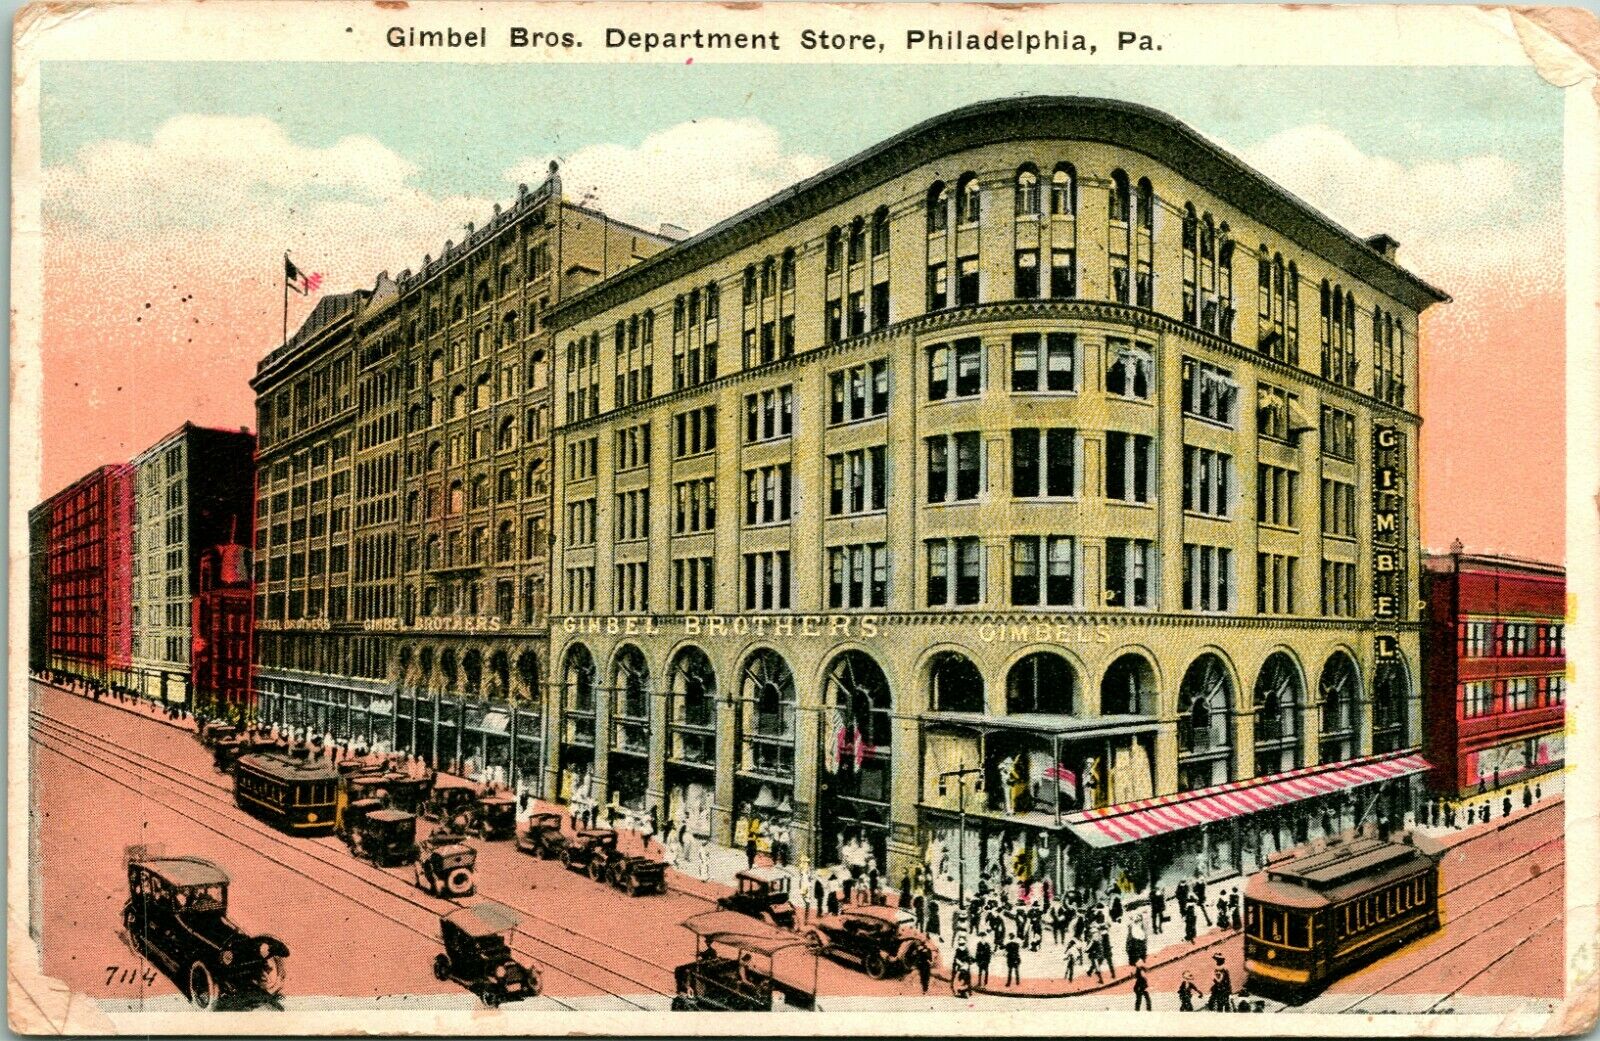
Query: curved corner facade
{"x": 1036, "y": 463}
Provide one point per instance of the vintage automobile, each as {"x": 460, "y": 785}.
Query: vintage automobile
{"x": 216, "y": 730}
{"x": 225, "y": 750}
{"x": 635, "y": 874}
{"x": 445, "y": 864}
{"x": 582, "y": 849}
{"x": 540, "y": 836}
{"x": 743, "y": 966}
{"x": 450, "y": 798}
{"x": 882, "y": 940}
{"x": 495, "y": 816}
{"x": 374, "y": 832}
{"x": 478, "y": 955}
{"x": 177, "y": 917}
{"x": 408, "y": 793}
{"x": 762, "y": 893}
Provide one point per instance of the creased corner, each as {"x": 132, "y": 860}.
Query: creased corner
{"x": 1563, "y": 43}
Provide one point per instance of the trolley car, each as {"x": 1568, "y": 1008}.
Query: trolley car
{"x": 297, "y": 795}
{"x": 1315, "y": 915}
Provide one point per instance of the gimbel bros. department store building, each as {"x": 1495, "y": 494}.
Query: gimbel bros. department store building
{"x": 1038, "y": 485}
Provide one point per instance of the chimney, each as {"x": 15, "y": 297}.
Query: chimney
{"x": 673, "y": 233}
{"x": 1383, "y": 245}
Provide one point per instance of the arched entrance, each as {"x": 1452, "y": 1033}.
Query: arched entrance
{"x": 628, "y": 761}
{"x": 858, "y": 739}
{"x": 1128, "y": 687}
{"x": 578, "y": 682}
{"x": 1340, "y": 690}
{"x": 954, "y": 684}
{"x": 1279, "y": 693}
{"x": 691, "y": 766}
{"x": 1205, "y": 724}
{"x": 763, "y": 787}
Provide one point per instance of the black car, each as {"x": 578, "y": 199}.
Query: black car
{"x": 386, "y": 837}
{"x": 177, "y": 917}
{"x": 477, "y": 955}
{"x": 882, "y": 940}
{"x": 540, "y": 836}
{"x": 762, "y": 893}
{"x": 445, "y": 864}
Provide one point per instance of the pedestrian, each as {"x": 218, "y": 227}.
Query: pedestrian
{"x": 1096, "y": 956}
{"x": 924, "y": 961}
{"x": 905, "y": 890}
{"x": 833, "y": 900}
{"x": 750, "y": 850}
{"x": 932, "y": 927}
{"x": 1537, "y": 794}
{"x": 1013, "y": 962}
{"x": 982, "y": 956}
{"x": 1141, "y": 989}
{"x": 872, "y": 884}
{"x": 818, "y": 896}
{"x": 1483, "y": 812}
{"x": 1200, "y": 899}
{"x": 1116, "y": 908}
{"x": 1103, "y": 938}
{"x": 1222, "y": 910}
{"x": 1058, "y": 923}
{"x": 1071, "y": 955}
{"x": 1187, "y": 992}
{"x": 1472, "y": 814}
{"x": 1189, "y": 924}
{"x": 1496, "y": 778}
{"x": 1221, "y": 987}
{"x": 1137, "y": 943}
{"x": 1505, "y": 806}
{"x": 1158, "y": 909}
{"x": 1181, "y": 894}
{"x": 1233, "y": 910}
{"x": 1036, "y": 925}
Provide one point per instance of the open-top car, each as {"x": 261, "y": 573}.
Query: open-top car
{"x": 495, "y": 816}
{"x": 477, "y": 954}
{"x": 586, "y": 847}
{"x": 761, "y": 893}
{"x": 386, "y": 837}
{"x": 743, "y": 966}
{"x": 540, "y": 836}
{"x": 445, "y": 864}
{"x": 177, "y": 917}
{"x": 882, "y": 940}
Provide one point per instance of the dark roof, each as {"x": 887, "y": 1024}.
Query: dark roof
{"x": 484, "y": 919}
{"x": 284, "y": 766}
{"x": 183, "y": 872}
{"x": 390, "y": 816}
{"x": 1122, "y": 123}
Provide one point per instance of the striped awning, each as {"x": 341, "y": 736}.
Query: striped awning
{"x": 1145, "y": 818}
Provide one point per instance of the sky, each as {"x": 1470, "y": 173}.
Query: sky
{"x": 171, "y": 191}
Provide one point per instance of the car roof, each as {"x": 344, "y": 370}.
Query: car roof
{"x": 484, "y": 919}
{"x": 595, "y": 832}
{"x": 892, "y": 915}
{"x": 182, "y": 872}
{"x": 390, "y": 815}
{"x": 764, "y": 874}
{"x": 499, "y": 799}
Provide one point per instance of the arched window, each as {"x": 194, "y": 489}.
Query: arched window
{"x": 435, "y": 455}
{"x": 880, "y": 234}
{"x": 1128, "y": 688}
{"x": 506, "y": 436}
{"x": 1191, "y": 232}
{"x": 480, "y": 491}
{"x": 713, "y": 297}
{"x": 749, "y": 292}
{"x": 1121, "y": 201}
{"x": 1147, "y": 205}
{"x": 1205, "y": 720}
{"x": 834, "y": 247}
{"x": 458, "y": 401}
{"x": 1064, "y": 191}
{"x": 578, "y": 678}
{"x": 436, "y": 365}
{"x": 504, "y": 541}
{"x": 506, "y": 485}
{"x": 457, "y": 498}
{"x": 412, "y": 506}
{"x": 1027, "y": 191}
{"x": 430, "y": 557}
{"x": 954, "y": 684}
{"x": 938, "y": 206}
{"x": 458, "y": 307}
{"x": 1043, "y": 684}
{"x": 766, "y": 716}
{"x": 858, "y": 738}
{"x": 857, "y": 693}
{"x": 1277, "y": 708}
{"x": 1390, "y": 708}
{"x": 692, "y": 709}
{"x": 969, "y": 199}
{"x": 858, "y": 240}
{"x": 1340, "y": 687}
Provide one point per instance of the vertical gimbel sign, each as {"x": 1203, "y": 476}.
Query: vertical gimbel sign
{"x": 1388, "y": 523}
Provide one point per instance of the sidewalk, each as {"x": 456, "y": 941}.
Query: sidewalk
{"x": 138, "y": 706}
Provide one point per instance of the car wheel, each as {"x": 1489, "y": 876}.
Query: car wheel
{"x": 815, "y": 941}
{"x": 877, "y": 965}
{"x": 441, "y": 967}
{"x": 566, "y": 859}
{"x": 595, "y": 870}
{"x": 202, "y": 987}
{"x": 458, "y": 882}
{"x": 273, "y": 974}
{"x": 491, "y": 998}
{"x": 130, "y": 922}
{"x": 535, "y": 983}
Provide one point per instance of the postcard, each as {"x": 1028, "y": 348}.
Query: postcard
{"x": 904, "y": 519}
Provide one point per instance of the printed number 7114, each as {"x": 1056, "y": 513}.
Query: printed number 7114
{"x": 132, "y": 974}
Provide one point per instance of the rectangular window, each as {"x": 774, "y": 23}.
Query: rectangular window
{"x": 967, "y": 286}
{"x": 1129, "y": 467}
{"x": 857, "y": 481}
{"x": 769, "y": 414}
{"x": 880, "y": 305}
{"x": 955, "y": 370}
{"x": 1063, "y": 273}
{"x": 768, "y": 495}
{"x": 1273, "y": 412}
{"x": 1046, "y": 363}
{"x": 1276, "y": 489}
{"x": 1275, "y": 578}
{"x": 1130, "y": 571}
{"x": 1338, "y": 589}
{"x": 1338, "y": 433}
{"x": 858, "y": 576}
{"x": 692, "y": 584}
{"x": 767, "y": 581}
{"x": 1043, "y": 571}
{"x": 1209, "y": 392}
{"x": 1338, "y": 508}
{"x": 1130, "y": 369}
{"x": 963, "y": 557}
{"x": 694, "y": 431}
{"x": 1207, "y": 578}
{"x": 938, "y": 286}
{"x": 1027, "y": 274}
{"x": 960, "y": 452}
{"x": 1043, "y": 463}
{"x": 1207, "y": 482}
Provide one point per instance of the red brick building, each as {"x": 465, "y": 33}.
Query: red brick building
{"x": 89, "y": 628}
{"x": 1495, "y": 659}
{"x": 224, "y": 607}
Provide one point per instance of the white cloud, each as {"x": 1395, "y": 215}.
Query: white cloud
{"x": 693, "y": 174}
{"x": 1460, "y": 221}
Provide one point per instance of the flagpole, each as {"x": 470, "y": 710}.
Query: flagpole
{"x": 286, "y": 299}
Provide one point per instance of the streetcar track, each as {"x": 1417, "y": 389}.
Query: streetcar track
{"x": 183, "y": 777}
{"x": 405, "y": 896}
{"x": 1508, "y": 953}
{"x": 221, "y": 786}
{"x": 1457, "y": 944}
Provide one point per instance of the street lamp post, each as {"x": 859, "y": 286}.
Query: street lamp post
{"x": 960, "y": 774}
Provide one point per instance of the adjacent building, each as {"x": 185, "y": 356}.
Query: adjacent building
{"x": 1496, "y": 670}
{"x": 1037, "y": 485}
{"x": 221, "y": 662}
{"x": 88, "y": 616}
{"x": 402, "y": 508}
{"x": 194, "y": 491}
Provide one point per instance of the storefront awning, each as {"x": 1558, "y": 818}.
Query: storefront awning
{"x": 1133, "y": 821}
{"x": 1060, "y": 726}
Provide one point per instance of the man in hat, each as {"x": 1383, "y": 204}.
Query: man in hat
{"x": 1221, "y": 987}
{"x": 1187, "y": 992}
{"x": 1141, "y": 988}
